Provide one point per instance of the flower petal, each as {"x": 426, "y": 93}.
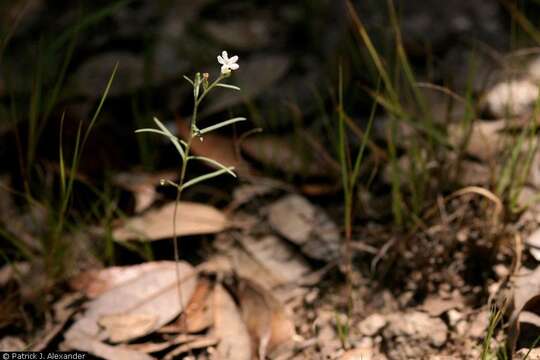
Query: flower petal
{"x": 225, "y": 55}
{"x": 225, "y": 69}
{"x": 233, "y": 59}
{"x": 220, "y": 60}
{"x": 234, "y": 66}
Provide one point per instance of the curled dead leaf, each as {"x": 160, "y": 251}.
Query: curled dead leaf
{"x": 269, "y": 324}
{"x": 229, "y": 328}
{"x": 191, "y": 219}
{"x": 138, "y": 306}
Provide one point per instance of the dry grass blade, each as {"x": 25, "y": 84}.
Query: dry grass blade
{"x": 485, "y": 193}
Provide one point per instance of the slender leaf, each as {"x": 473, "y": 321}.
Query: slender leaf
{"x": 188, "y": 80}
{"x": 228, "y": 86}
{"x": 213, "y": 162}
{"x": 221, "y": 124}
{"x": 171, "y": 137}
{"x": 206, "y": 177}
{"x": 176, "y": 142}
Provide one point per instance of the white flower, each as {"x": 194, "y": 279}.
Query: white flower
{"x": 227, "y": 64}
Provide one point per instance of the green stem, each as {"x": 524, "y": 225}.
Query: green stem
{"x": 182, "y": 178}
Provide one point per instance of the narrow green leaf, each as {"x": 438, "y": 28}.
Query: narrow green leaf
{"x": 61, "y": 150}
{"x": 188, "y": 80}
{"x": 213, "y": 162}
{"x": 228, "y": 86}
{"x": 205, "y": 177}
{"x": 172, "y": 183}
{"x": 221, "y": 124}
{"x": 171, "y": 137}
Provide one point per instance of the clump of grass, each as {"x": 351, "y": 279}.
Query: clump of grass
{"x": 53, "y": 57}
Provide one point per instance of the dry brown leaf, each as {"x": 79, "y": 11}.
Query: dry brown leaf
{"x": 306, "y": 225}
{"x": 95, "y": 347}
{"x": 268, "y": 323}
{"x": 526, "y": 298}
{"x": 95, "y": 282}
{"x": 191, "y": 219}
{"x": 200, "y": 343}
{"x": 533, "y": 241}
{"x": 123, "y": 327}
{"x": 12, "y": 343}
{"x": 63, "y": 311}
{"x": 137, "y": 307}
{"x": 286, "y": 154}
{"x": 235, "y": 343}
{"x": 282, "y": 262}
{"x": 199, "y": 312}
{"x": 153, "y": 347}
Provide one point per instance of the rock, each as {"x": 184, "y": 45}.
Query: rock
{"x": 511, "y": 98}
{"x": 417, "y": 326}
{"x": 372, "y": 324}
{"x": 524, "y": 353}
{"x": 362, "y": 353}
{"x": 436, "y": 306}
{"x": 454, "y": 317}
{"x": 479, "y": 325}
{"x": 306, "y": 225}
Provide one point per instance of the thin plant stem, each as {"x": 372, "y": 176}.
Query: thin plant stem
{"x": 197, "y": 99}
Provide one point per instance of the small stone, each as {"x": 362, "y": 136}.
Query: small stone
{"x": 462, "y": 235}
{"x": 511, "y": 98}
{"x": 479, "y": 325}
{"x": 436, "y": 306}
{"x": 372, "y": 324}
{"x": 524, "y": 353}
{"x": 418, "y": 326}
{"x": 462, "y": 327}
{"x": 311, "y": 296}
{"x": 454, "y": 317}
{"x": 501, "y": 271}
